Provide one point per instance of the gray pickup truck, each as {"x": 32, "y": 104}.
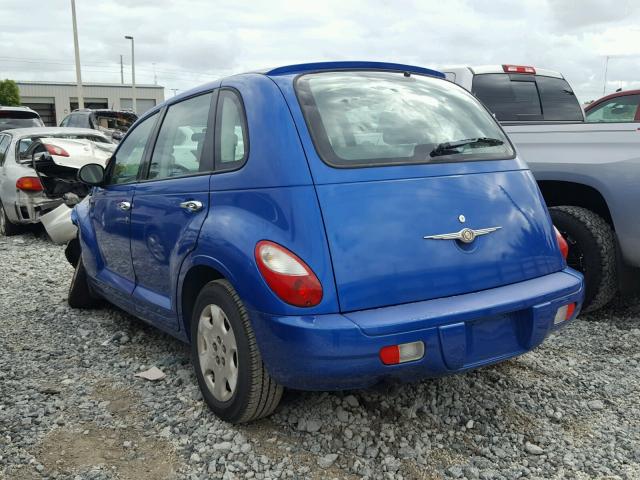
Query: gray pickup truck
{"x": 588, "y": 173}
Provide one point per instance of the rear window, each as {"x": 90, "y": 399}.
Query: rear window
{"x": 19, "y": 119}
{"x": 115, "y": 121}
{"x": 359, "y": 118}
{"x": 518, "y": 97}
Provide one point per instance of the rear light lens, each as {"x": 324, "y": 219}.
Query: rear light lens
{"x": 518, "y": 69}
{"x": 29, "y": 184}
{"x": 55, "y": 150}
{"x": 564, "y": 313}
{"x": 287, "y": 275}
{"x": 562, "y": 244}
{"x": 404, "y": 352}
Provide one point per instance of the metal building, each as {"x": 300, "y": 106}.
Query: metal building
{"x": 54, "y": 100}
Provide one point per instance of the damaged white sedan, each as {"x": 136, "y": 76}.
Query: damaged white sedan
{"x": 38, "y": 169}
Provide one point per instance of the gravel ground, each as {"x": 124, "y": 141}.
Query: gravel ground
{"x": 70, "y": 406}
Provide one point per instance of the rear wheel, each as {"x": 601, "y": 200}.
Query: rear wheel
{"x": 592, "y": 251}
{"x": 234, "y": 382}
{"x": 7, "y": 228}
{"x": 80, "y": 294}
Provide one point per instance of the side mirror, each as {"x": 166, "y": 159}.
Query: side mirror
{"x": 91, "y": 174}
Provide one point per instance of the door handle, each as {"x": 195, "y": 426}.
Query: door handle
{"x": 124, "y": 206}
{"x": 192, "y": 205}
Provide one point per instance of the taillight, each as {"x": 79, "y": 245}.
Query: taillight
{"x": 518, "y": 69}
{"x": 56, "y": 150}
{"x": 29, "y": 184}
{"x": 287, "y": 275}
{"x": 562, "y": 244}
{"x": 405, "y": 352}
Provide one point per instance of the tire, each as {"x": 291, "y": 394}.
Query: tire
{"x": 592, "y": 251}
{"x": 7, "y": 228}
{"x": 80, "y": 294}
{"x": 220, "y": 328}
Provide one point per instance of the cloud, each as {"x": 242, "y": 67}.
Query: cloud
{"x": 193, "y": 42}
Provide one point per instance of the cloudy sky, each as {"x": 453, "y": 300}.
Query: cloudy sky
{"x": 192, "y": 42}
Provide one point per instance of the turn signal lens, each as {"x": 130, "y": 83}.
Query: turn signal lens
{"x": 562, "y": 244}
{"x": 29, "y": 184}
{"x": 287, "y": 275}
{"x": 404, "y": 352}
{"x": 55, "y": 150}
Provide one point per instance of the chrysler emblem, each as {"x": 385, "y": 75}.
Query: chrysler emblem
{"x": 466, "y": 235}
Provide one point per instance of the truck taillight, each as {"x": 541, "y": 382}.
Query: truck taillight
{"x": 287, "y": 275}
{"x": 562, "y": 243}
{"x": 518, "y": 69}
{"x": 56, "y": 150}
{"x": 29, "y": 184}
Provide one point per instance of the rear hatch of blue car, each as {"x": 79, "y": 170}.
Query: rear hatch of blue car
{"x": 420, "y": 190}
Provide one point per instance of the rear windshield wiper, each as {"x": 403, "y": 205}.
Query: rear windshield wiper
{"x": 446, "y": 147}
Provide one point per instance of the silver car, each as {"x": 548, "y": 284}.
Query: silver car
{"x": 38, "y": 168}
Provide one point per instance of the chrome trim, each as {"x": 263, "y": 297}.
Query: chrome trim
{"x": 466, "y": 235}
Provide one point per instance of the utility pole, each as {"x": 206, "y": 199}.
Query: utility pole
{"x": 606, "y": 67}
{"x": 155, "y": 77}
{"x": 133, "y": 73}
{"x": 121, "y": 71}
{"x": 77, "y": 52}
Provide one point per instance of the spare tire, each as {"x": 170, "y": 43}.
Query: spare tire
{"x": 592, "y": 251}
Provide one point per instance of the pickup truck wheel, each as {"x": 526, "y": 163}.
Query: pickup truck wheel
{"x": 234, "y": 382}
{"x": 80, "y": 294}
{"x": 592, "y": 251}
{"x": 7, "y": 229}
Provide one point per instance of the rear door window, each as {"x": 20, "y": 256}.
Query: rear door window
{"x": 179, "y": 148}
{"x": 519, "y": 97}
{"x": 5, "y": 140}
{"x": 618, "y": 109}
{"x": 359, "y": 118}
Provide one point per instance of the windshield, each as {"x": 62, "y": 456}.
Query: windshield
{"x": 15, "y": 119}
{"x": 361, "y": 118}
{"x": 30, "y": 145}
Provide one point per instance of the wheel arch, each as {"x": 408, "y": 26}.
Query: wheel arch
{"x": 557, "y": 193}
{"x": 197, "y": 272}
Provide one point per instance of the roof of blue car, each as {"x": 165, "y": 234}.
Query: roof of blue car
{"x": 308, "y": 67}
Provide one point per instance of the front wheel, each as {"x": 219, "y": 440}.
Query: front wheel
{"x": 592, "y": 251}
{"x": 232, "y": 377}
{"x": 80, "y": 294}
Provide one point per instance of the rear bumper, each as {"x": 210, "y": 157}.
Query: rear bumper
{"x": 340, "y": 351}
{"x": 29, "y": 207}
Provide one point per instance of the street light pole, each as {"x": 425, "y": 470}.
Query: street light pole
{"x": 133, "y": 73}
{"x": 77, "y": 52}
{"x": 606, "y": 67}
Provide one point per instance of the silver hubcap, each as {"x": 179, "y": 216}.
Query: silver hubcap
{"x": 218, "y": 353}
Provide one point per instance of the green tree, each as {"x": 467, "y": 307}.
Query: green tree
{"x": 9, "y": 93}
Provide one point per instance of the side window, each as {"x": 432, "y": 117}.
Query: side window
{"x": 5, "y": 140}
{"x": 179, "y": 147}
{"x": 65, "y": 121}
{"x": 231, "y": 132}
{"x": 129, "y": 154}
{"x": 618, "y": 109}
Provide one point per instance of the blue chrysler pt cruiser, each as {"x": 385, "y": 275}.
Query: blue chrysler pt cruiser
{"x": 323, "y": 226}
